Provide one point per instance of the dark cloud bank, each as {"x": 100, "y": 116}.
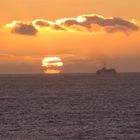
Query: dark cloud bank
{"x": 88, "y": 23}
{"x": 24, "y": 29}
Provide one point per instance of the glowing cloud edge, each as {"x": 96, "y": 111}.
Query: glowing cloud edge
{"x": 83, "y": 23}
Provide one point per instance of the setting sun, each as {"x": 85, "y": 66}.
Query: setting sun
{"x": 52, "y": 65}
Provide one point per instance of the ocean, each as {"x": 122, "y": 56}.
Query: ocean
{"x": 70, "y": 107}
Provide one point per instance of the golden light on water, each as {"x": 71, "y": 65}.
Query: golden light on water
{"x": 52, "y": 65}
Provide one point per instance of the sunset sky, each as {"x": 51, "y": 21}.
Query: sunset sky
{"x": 84, "y": 34}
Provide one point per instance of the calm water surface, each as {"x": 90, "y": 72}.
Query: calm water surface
{"x": 70, "y": 107}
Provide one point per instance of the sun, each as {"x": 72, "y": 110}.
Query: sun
{"x": 52, "y": 65}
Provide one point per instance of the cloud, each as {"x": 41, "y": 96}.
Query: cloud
{"x": 42, "y": 23}
{"x": 109, "y": 25}
{"x": 83, "y": 23}
{"x": 23, "y": 28}
{"x": 48, "y": 25}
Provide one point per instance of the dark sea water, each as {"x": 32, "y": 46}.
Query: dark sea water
{"x": 70, "y": 107}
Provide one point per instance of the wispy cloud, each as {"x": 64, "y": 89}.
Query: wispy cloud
{"x": 6, "y": 55}
{"x": 83, "y": 23}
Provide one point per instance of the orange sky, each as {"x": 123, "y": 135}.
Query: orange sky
{"x": 82, "y": 47}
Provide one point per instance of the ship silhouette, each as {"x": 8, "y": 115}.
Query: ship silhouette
{"x": 106, "y": 71}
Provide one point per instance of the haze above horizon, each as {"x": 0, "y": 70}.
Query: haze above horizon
{"x": 75, "y": 36}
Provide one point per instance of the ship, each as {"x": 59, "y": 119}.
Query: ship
{"x": 106, "y": 71}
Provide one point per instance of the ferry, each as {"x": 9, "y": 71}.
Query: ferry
{"x": 106, "y": 71}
